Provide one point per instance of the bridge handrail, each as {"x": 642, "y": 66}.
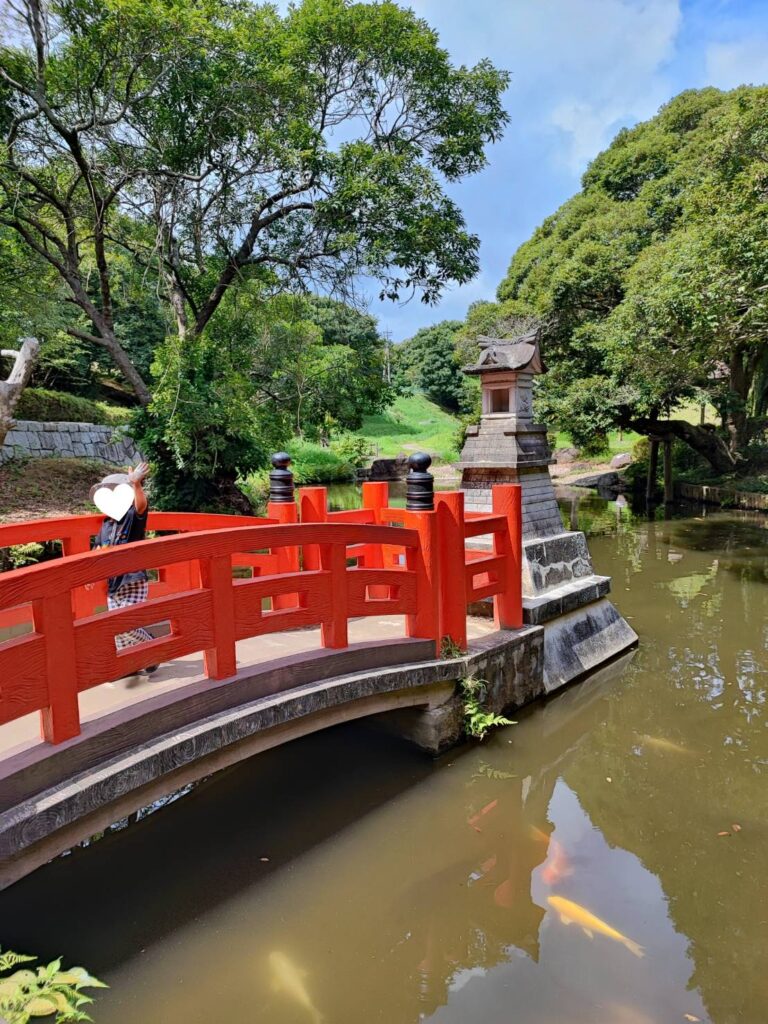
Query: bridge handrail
{"x": 46, "y": 669}
{"x": 66, "y": 528}
{"x": 37, "y": 581}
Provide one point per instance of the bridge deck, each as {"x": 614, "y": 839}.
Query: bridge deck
{"x": 109, "y": 697}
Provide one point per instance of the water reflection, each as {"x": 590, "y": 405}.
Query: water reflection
{"x": 403, "y": 890}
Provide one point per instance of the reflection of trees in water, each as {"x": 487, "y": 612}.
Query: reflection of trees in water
{"x": 705, "y": 639}
{"x": 471, "y": 912}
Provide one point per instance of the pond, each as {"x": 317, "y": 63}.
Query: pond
{"x": 346, "y": 878}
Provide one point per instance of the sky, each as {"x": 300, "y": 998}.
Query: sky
{"x": 581, "y": 70}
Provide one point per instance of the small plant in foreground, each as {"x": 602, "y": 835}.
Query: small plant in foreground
{"x": 450, "y": 649}
{"x": 477, "y": 719}
{"x": 44, "y": 992}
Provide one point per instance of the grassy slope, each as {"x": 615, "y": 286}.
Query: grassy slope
{"x": 412, "y": 424}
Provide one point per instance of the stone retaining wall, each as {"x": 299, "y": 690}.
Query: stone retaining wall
{"x": 722, "y": 496}
{"x": 31, "y": 439}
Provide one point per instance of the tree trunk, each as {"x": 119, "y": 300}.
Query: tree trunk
{"x": 11, "y": 389}
{"x": 669, "y": 490}
{"x": 704, "y": 440}
{"x": 653, "y": 468}
{"x": 129, "y": 371}
{"x": 736, "y": 416}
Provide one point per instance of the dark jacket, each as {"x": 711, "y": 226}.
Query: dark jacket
{"x": 132, "y": 527}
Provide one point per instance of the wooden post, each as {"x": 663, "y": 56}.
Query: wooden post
{"x": 313, "y": 508}
{"x": 376, "y": 499}
{"x": 333, "y": 558}
{"x": 216, "y": 574}
{"x": 282, "y": 507}
{"x": 669, "y": 489}
{"x": 84, "y": 601}
{"x": 53, "y": 619}
{"x": 287, "y": 557}
{"x": 653, "y": 468}
{"x": 508, "y": 605}
{"x": 450, "y": 545}
{"x": 424, "y": 561}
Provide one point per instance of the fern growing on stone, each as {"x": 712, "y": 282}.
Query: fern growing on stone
{"x": 478, "y": 720}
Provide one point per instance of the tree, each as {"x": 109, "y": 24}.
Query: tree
{"x": 216, "y": 142}
{"x": 429, "y": 362}
{"x": 652, "y": 282}
{"x": 23, "y": 361}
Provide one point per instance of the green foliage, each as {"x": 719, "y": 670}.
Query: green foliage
{"x": 59, "y": 407}
{"x": 45, "y": 992}
{"x": 311, "y": 463}
{"x": 25, "y": 554}
{"x": 315, "y": 464}
{"x": 650, "y": 282}
{"x": 477, "y": 719}
{"x": 202, "y": 431}
{"x": 317, "y": 362}
{"x": 450, "y": 649}
{"x": 296, "y": 149}
{"x": 352, "y": 449}
{"x": 428, "y": 362}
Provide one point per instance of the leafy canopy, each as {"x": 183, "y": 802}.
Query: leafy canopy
{"x": 651, "y": 282}
{"x": 216, "y": 142}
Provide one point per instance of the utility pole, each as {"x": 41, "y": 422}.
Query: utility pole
{"x": 387, "y": 336}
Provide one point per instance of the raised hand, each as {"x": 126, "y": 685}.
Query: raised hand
{"x": 136, "y": 475}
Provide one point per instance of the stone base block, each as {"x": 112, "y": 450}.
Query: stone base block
{"x": 552, "y": 561}
{"x": 583, "y": 640}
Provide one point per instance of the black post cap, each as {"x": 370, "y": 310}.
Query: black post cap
{"x": 281, "y": 479}
{"x": 420, "y": 484}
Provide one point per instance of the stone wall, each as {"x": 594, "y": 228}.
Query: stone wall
{"x": 723, "y": 496}
{"x": 31, "y": 439}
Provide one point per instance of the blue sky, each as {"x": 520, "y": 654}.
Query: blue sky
{"x": 581, "y": 69}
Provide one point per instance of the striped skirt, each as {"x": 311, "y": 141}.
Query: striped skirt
{"x": 129, "y": 594}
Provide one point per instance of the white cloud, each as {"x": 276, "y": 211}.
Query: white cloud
{"x": 584, "y": 66}
{"x": 744, "y": 62}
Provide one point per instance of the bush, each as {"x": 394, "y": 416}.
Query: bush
{"x": 313, "y": 464}
{"x": 59, "y": 407}
{"x": 310, "y": 463}
{"x": 352, "y": 449}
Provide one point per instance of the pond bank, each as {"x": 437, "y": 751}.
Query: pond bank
{"x": 724, "y": 497}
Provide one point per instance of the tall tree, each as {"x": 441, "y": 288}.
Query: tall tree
{"x": 216, "y": 141}
{"x": 429, "y": 362}
{"x": 652, "y": 282}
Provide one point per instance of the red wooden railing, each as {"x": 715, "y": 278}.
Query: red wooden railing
{"x": 322, "y": 571}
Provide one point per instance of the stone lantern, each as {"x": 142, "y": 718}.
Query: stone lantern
{"x": 561, "y": 591}
{"x": 507, "y": 446}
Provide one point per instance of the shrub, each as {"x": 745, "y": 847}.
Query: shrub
{"x": 352, "y": 449}
{"x": 310, "y": 463}
{"x": 59, "y": 407}
{"x": 47, "y": 992}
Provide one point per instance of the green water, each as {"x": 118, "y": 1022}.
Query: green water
{"x": 405, "y": 890}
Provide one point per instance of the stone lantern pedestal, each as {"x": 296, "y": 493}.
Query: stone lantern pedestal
{"x": 561, "y": 591}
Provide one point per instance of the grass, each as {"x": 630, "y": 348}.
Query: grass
{"x": 412, "y": 424}
{"x": 57, "y": 407}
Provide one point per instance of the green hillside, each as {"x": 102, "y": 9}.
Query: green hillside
{"x": 412, "y": 423}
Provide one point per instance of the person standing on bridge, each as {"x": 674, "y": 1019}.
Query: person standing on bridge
{"x": 132, "y": 587}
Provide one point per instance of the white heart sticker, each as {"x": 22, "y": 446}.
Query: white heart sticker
{"x": 114, "y": 503}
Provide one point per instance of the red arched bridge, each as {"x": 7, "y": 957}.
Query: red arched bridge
{"x": 226, "y": 587}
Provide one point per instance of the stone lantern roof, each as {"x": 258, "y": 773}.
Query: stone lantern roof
{"x": 509, "y": 354}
